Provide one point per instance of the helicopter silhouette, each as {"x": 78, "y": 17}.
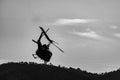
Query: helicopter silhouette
{"x": 43, "y": 51}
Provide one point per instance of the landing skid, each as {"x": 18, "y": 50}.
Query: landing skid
{"x": 34, "y": 55}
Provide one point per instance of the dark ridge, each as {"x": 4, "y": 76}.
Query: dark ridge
{"x": 34, "y": 71}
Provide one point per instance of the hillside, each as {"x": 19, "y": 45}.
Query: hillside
{"x": 34, "y": 71}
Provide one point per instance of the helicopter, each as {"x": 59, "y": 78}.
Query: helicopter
{"x": 43, "y": 51}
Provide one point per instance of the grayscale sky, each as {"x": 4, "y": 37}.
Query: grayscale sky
{"x": 87, "y": 30}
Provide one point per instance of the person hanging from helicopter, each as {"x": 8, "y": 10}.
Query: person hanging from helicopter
{"x": 43, "y": 51}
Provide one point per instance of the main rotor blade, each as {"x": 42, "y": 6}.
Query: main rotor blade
{"x": 55, "y": 42}
{"x": 41, "y": 35}
{"x": 51, "y": 41}
{"x": 45, "y": 31}
{"x": 58, "y": 47}
{"x": 46, "y": 35}
{"x": 34, "y": 41}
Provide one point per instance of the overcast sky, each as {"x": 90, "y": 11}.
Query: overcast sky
{"x": 87, "y": 30}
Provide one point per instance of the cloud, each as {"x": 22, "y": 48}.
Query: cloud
{"x": 114, "y": 27}
{"x": 73, "y": 21}
{"x": 117, "y": 35}
{"x": 89, "y": 34}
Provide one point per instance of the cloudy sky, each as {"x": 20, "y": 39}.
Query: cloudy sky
{"x": 87, "y": 30}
